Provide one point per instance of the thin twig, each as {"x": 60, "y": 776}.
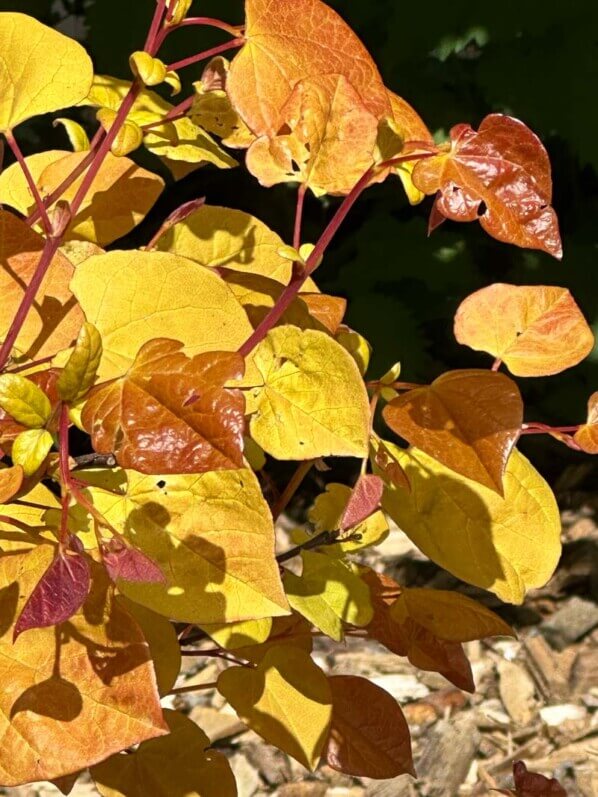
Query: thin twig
{"x": 324, "y": 538}
{"x": 194, "y": 59}
{"x": 182, "y": 690}
{"x": 289, "y": 491}
{"x": 41, "y": 208}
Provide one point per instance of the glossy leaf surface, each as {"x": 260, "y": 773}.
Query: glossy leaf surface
{"x": 170, "y": 413}
{"x": 499, "y": 175}
{"x": 79, "y": 373}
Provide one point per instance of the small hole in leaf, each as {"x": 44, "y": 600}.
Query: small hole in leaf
{"x": 161, "y": 484}
{"x": 482, "y": 208}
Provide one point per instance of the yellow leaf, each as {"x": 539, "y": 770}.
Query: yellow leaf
{"x": 448, "y": 615}
{"x": 357, "y": 346}
{"x": 151, "y": 71}
{"x": 212, "y": 109}
{"x": 506, "y": 545}
{"x": 132, "y": 297}
{"x": 181, "y": 763}
{"x": 286, "y": 700}
{"x": 211, "y": 535}
{"x": 224, "y": 238}
{"x": 24, "y": 401}
{"x": 120, "y": 196}
{"x": 80, "y": 371}
{"x": 129, "y": 137}
{"x": 37, "y": 515}
{"x": 181, "y": 7}
{"x": 42, "y": 70}
{"x": 162, "y": 641}
{"x": 326, "y": 515}
{"x": 77, "y": 135}
{"x": 311, "y": 401}
{"x": 61, "y": 692}
{"x": 30, "y": 449}
{"x": 237, "y": 635}
{"x": 328, "y": 593}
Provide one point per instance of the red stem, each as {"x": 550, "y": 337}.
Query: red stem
{"x": 150, "y": 42}
{"x": 68, "y": 181}
{"x": 50, "y": 247}
{"x": 293, "y": 485}
{"x": 299, "y": 216}
{"x": 177, "y": 112}
{"x": 541, "y": 428}
{"x": 28, "y": 366}
{"x": 193, "y": 59}
{"x": 234, "y": 30}
{"x": 12, "y": 143}
{"x": 65, "y": 470}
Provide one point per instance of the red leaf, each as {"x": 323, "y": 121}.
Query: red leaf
{"x": 531, "y": 784}
{"x": 59, "y": 593}
{"x": 364, "y": 501}
{"x": 499, "y": 175}
{"x": 129, "y": 564}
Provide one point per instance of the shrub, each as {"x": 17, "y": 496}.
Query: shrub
{"x": 195, "y": 364}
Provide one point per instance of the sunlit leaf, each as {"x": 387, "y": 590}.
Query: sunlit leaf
{"x": 162, "y": 641}
{"x": 212, "y": 109}
{"x": 53, "y": 321}
{"x": 293, "y": 630}
{"x": 499, "y": 175}
{"x": 293, "y": 41}
{"x": 76, "y": 134}
{"x": 79, "y": 373}
{"x": 312, "y": 401}
{"x": 586, "y": 436}
{"x": 331, "y": 140}
{"x": 120, "y": 195}
{"x": 363, "y": 502}
{"x": 11, "y": 480}
{"x": 30, "y": 448}
{"x": 24, "y": 400}
{"x": 212, "y": 537}
{"x": 241, "y": 634}
{"x": 58, "y": 595}
{"x": 328, "y": 593}
{"x": 387, "y": 464}
{"x": 34, "y": 516}
{"x": 469, "y": 420}
{"x": 180, "y": 763}
{"x": 169, "y": 413}
{"x": 286, "y": 699}
{"x": 327, "y": 513}
{"x": 133, "y": 297}
{"x": 369, "y": 736}
{"x": 66, "y": 689}
{"x": 42, "y": 70}
{"x": 507, "y": 545}
{"x": 536, "y": 330}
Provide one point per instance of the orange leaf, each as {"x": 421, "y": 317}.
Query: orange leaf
{"x": 369, "y": 736}
{"x": 537, "y": 330}
{"x": 62, "y": 691}
{"x": 587, "y": 435}
{"x": 170, "y": 413}
{"x": 328, "y": 310}
{"x": 411, "y": 639}
{"x": 11, "y": 480}
{"x": 469, "y": 420}
{"x": 55, "y": 318}
{"x": 327, "y": 138}
{"x": 293, "y": 41}
{"x": 499, "y": 175}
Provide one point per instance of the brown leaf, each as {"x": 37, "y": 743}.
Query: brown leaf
{"x": 171, "y": 413}
{"x": 368, "y": 736}
{"x": 531, "y": 784}
{"x": 55, "y": 318}
{"x": 328, "y": 310}
{"x": 586, "y": 436}
{"x": 499, "y": 175}
{"x": 469, "y": 420}
{"x": 72, "y": 696}
{"x": 537, "y": 330}
{"x": 11, "y": 480}
{"x": 410, "y": 639}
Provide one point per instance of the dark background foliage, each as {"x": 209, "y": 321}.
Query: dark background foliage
{"x": 455, "y": 61}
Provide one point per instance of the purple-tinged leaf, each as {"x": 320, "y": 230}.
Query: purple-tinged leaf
{"x": 364, "y": 501}
{"x": 59, "y": 593}
{"x": 129, "y": 564}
